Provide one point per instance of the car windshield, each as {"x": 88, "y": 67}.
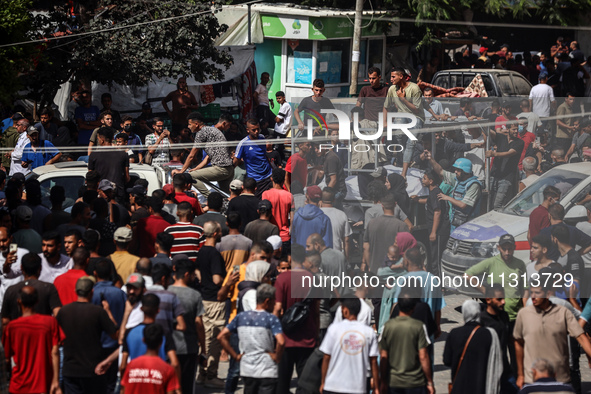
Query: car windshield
{"x": 71, "y": 185}
{"x": 526, "y": 201}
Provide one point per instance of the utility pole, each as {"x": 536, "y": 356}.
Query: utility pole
{"x": 356, "y": 53}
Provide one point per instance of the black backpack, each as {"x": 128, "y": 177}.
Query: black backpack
{"x": 295, "y": 316}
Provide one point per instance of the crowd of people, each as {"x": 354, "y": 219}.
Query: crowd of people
{"x": 130, "y": 292}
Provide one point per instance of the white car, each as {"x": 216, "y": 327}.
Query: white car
{"x": 477, "y": 240}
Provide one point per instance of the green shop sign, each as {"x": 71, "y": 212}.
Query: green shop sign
{"x": 311, "y": 28}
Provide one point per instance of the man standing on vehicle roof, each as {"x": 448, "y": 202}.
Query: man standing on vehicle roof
{"x": 467, "y": 190}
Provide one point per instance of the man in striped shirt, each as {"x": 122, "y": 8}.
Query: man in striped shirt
{"x": 188, "y": 237}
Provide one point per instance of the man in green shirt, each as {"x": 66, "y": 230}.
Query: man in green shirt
{"x": 405, "y": 363}
{"x": 506, "y": 271}
{"x": 407, "y": 97}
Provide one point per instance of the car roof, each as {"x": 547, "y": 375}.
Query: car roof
{"x": 480, "y": 71}
{"x": 583, "y": 168}
{"x": 80, "y": 166}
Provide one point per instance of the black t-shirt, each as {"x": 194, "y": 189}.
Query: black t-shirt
{"x": 48, "y": 299}
{"x": 210, "y": 262}
{"x": 499, "y": 323}
{"x": 574, "y": 264}
{"x": 110, "y": 165}
{"x": 434, "y": 204}
{"x": 308, "y": 105}
{"x": 83, "y": 323}
{"x": 373, "y": 101}
{"x": 508, "y": 165}
{"x": 333, "y": 166}
{"x": 246, "y": 206}
{"x": 260, "y": 230}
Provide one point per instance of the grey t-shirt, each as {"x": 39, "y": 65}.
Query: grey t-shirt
{"x": 381, "y": 234}
{"x": 376, "y": 210}
{"x": 186, "y": 342}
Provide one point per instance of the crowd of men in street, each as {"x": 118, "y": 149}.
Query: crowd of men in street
{"x": 131, "y": 292}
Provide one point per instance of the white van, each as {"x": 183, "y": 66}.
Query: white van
{"x": 477, "y": 240}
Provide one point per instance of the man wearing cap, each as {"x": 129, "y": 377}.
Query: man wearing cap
{"x": 11, "y": 136}
{"x": 123, "y": 260}
{"x": 236, "y": 187}
{"x": 83, "y": 325}
{"x": 262, "y": 228}
{"x": 310, "y": 219}
{"x": 246, "y": 204}
{"x": 253, "y": 154}
{"x": 17, "y": 154}
{"x": 38, "y": 153}
{"x": 25, "y": 236}
{"x": 407, "y": 97}
{"x": 503, "y": 265}
{"x": 466, "y": 193}
{"x": 541, "y": 97}
{"x": 221, "y": 168}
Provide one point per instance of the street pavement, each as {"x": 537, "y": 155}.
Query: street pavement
{"x": 451, "y": 317}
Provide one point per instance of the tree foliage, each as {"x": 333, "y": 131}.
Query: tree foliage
{"x": 128, "y": 42}
{"x": 15, "y": 22}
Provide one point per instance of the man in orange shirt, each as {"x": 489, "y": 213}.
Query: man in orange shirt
{"x": 281, "y": 200}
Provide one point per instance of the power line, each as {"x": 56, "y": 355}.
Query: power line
{"x": 115, "y": 28}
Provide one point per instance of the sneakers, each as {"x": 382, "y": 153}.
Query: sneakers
{"x": 215, "y": 383}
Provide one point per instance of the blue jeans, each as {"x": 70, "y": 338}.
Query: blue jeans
{"x": 234, "y": 368}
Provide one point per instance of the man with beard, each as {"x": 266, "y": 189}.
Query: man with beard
{"x": 183, "y": 102}
{"x": 10, "y": 260}
{"x": 53, "y": 263}
{"x": 47, "y": 129}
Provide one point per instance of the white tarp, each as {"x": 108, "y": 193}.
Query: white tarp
{"x": 127, "y": 98}
{"x": 237, "y": 33}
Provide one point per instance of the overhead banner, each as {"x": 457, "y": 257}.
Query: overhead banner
{"x": 285, "y": 27}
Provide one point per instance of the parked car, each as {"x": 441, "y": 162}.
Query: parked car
{"x": 477, "y": 240}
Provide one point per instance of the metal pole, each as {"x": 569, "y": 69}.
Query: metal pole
{"x": 356, "y": 53}
{"x": 249, "y": 25}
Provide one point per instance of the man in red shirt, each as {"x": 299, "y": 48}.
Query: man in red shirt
{"x": 32, "y": 342}
{"x": 66, "y": 283}
{"x": 180, "y": 184}
{"x": 297, "y": 166}
{"x": 538, "y": 219}
{"x": 527, "y": 138}
{"x": 149, "y": 374}
{"x": 148, "y": 228}
{"x": 282, "y": 202}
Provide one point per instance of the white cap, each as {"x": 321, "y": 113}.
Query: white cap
{"x": 275, "y": 241}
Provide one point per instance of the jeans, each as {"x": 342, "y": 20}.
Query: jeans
{"x": 234, "y": 368}
{"x": 503, "y": 193}
{"x": 260, "y": 385}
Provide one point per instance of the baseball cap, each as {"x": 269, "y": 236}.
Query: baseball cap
{"x": 236, "y": 185}
{"x": 106, "y": 184}
{"x": 136, "y": 280}
{"x": 483, "y": 49}
{"x": 138, "y": 190}
{"x": 17, "y": 116}
{"x": 168, "y": 189}
{"x": 379, "y": 172}
{"x": 507, "y": 239}
{"x": 265, "y": 205}
{"x": 32, "y": 130}
{"x": 275, "y": 241}
{"x": 24, "y": 213}
{"x": 314, "y": 192}
{"x": 146, "y": 105}
{"x": 85, "y": 284}
{"x": 123, "y": 234}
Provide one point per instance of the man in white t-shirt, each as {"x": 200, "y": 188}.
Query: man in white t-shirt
{"x": 262, "y": 103}
{"x": 541, "y": 97}
{"x": 282, "y": 121}
{"x": 350, "y": 349}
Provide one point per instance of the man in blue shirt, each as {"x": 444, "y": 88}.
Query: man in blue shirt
{"x": 254, "y": 154}
{"x": 38, "y": 153}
